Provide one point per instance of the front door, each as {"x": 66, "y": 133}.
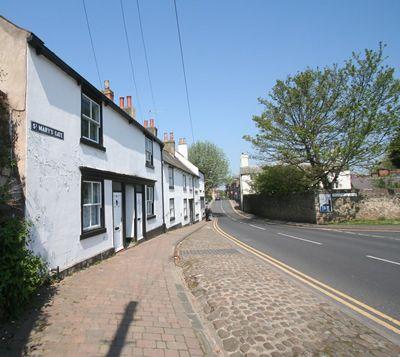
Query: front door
{"x": 191, "y": 211}
{"x": 139, "y": 215}
{"x": 117, "y": 209}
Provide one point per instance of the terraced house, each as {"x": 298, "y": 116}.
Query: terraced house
{"x": 92, "y": 175}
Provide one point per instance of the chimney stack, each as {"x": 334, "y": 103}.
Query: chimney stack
{"x": 169, "y": 144}
{"x": 130, "y": 109}
{"x": 244, "y": 160}
{"x": 122, "y": 102}
{"x": 145, "y": 124}
{"x": 152, "y": 127}
{"x": 107, "y": 91}
{"x": 183, "y": 148}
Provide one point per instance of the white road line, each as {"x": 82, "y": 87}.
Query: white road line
{"x": 252, "y": 225}
{"x": 305, "y": 240}
{"x": 383, "y": 260}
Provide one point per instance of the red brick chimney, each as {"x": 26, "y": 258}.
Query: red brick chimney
{"x": 146, "y": 124}
{"x": 130, "y": 109}
{"x": 152, "y": 127}
{"x": 107, "y": 90}
{"x": 122, "y": 102}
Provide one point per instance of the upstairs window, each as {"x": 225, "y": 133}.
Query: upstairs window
{"x": 150, "y": 201}
{"x": 149, "y": 152}
{"x": 184, "y": 183}
{"x": 90, "y": 119}
{"x": 171, "y": 177}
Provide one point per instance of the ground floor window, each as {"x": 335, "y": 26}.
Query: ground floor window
{"x": 92, "y": 205}
{"x": 185, "y": 208}
{"x": 150, "y": 201}
{"x": 171, "y": 209}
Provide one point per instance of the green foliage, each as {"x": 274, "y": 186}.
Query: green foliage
{"x": 211, "y": 160}
{"x": 386, "y": 182}
{"x": 21, "y": 272}
{"x": 394, "y": 151}
{"x": 281, "y": 179}
{"x": 333, "y": 119}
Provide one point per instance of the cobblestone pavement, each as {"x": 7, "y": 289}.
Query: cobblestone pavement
{"x": 132, "y": 304}
{"x": 257, "y": 311}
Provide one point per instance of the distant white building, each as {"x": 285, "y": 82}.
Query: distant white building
{"x": 184, "y": 196}
{"x": 246, "y": 176}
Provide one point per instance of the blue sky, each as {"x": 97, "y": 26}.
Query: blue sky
{"x": 234, "y": 50}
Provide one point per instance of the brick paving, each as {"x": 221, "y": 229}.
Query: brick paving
{"x": 257, "y": 311}
{"x": 132, "y": 304}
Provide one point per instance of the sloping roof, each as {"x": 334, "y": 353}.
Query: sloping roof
{"x": 41, "y": 49}
{"x": 173, "y": 161}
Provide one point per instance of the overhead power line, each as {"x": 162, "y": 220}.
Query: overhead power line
{"x": 130, "y": 58}
{"x": 91, "y": 42}
{"x": 146, "y": 58}
{"x": 184, "y": 69}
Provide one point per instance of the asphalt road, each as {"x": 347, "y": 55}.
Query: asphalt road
{"x": 364, "y": 265}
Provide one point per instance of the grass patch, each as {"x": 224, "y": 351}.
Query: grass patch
{"x": 370, "y": 222}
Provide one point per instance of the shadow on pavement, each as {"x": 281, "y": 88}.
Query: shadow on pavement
{"x": 120, "y": 336}
{"x": 15, "y": 334}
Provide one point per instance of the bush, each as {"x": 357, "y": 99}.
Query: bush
{"x": 281, "y": 179}
{"x": 21, "y": 272}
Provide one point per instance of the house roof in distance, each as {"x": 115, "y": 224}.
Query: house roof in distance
{"x": 173, "y": 161}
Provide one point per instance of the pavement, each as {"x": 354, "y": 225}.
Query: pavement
{"x": 256, "y": 310}
{"x": 133, "y": 304}
{"x": 362, "y": 264}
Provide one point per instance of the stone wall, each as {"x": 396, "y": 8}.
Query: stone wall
{"x": 347, "y": 205}
{"x": 379, "y": 204}
{"x": 295, "y": 208}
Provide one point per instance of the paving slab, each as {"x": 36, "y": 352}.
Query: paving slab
{"x": 133, "y": 304}
{"x": 257, "y": 311}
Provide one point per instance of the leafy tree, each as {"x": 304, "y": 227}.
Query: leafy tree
{"x": 327, "y": 120}
{"x": 394, "y": 151}
{"x": 281, "y": 179}
{"x": 211, "y": 160}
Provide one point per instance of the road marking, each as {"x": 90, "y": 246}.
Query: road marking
{"x": 236, "y": 211}
{"x": 305, "y": 240}
{"x": 252, "y": 225}
{"x": 323, "y": 288}
{"x": 383, "y": 260}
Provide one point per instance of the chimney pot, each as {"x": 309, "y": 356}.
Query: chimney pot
{"x": 145, "y": 124}
{"x": 129, "y": 101}
{"x": 182, "y": 141}
{"x": 151, "y": 123}
{"x": 107, "y": 90}
{"x": 106, "y": 84}
{"x": 122, "y": 102}
{"x": 171, "y": 136}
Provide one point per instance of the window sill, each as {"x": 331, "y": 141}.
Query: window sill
{"x": 92, "y": 144}
{"x": 150, "y": 166}
{"x": 151, "y": 217}
{"x": 172, "y": 219}
{"x": 93, "y": 232}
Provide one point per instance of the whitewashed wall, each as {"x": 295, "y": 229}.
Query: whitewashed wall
{"x": 53, "y": 195}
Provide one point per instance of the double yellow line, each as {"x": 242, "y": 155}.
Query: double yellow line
{"x": 363, "y": 309}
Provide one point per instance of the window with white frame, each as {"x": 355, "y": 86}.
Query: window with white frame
{"x": 184, "y": 183}
{"x": 171, "y": 177}
{"x": 90, "y": 119}
{"x": 190, "y": 183}
{"x": 185, "y": 208}
{"x": 149, "y": 152}
{"x": 91, "y": 205}
{"x": 171, "y": 209}
{"x": 150, "y": 201}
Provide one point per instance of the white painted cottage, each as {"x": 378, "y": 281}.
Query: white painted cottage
{"x": 92, "y": 175}
{"x": 184, "y": 195}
